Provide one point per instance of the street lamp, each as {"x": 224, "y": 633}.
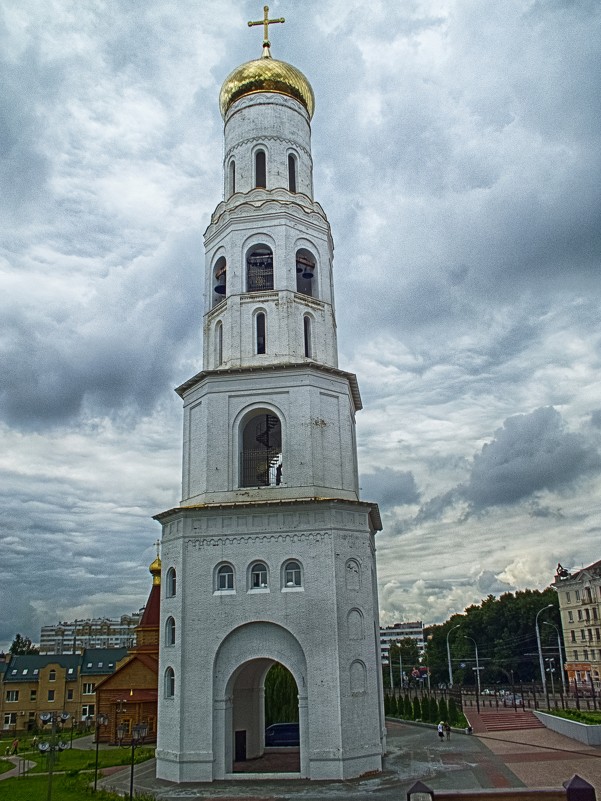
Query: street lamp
{"x": 138, "y": 734}
{"x": 561, "y": 660}
{"x": 540, "y": 650}
{"x": 449, "y": 654}
{"x": 477, "y": 668}
{"x": 50, "y": 747}
{"x": 101, "y": 720}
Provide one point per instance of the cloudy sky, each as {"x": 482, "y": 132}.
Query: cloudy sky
{"x": 457, "y": 151}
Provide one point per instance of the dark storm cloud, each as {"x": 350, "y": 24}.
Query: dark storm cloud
{"x": 23, "y": 166}
{"x": 120, "y": 351}
{"x": 530, "y": 453}
{"x": 389, "y": 487}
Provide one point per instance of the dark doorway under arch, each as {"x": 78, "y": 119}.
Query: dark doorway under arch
{"x": 263, "y": 690}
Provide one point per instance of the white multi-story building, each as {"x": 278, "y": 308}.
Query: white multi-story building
{"x": 579, "y": 595}
{"x": 270, "y": 556}
{"x": 399, "y": 631}
{"x": 99, "y": 632}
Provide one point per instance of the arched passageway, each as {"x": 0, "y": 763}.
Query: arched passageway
{"x": 241, "y": 669}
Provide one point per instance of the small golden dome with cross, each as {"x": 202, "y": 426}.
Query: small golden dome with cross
{"x": 266, "y": 74}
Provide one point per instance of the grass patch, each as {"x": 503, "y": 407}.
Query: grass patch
{"x": 73, "y": 759}
{"x": 64, "y": 788}
{"x": 5, "y": 765}
{"x": 591, "y": 718}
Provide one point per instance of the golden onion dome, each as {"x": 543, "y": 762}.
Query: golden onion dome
{"x": 155, "y": 569}
{"x": 266, "y": 74}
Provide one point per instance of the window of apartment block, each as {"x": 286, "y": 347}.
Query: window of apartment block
{"x": 33, "y": 694}
{"x": 577, "y": 593}
{"x": 52, "y": 675}
{"x": 570, "y": 617}
{"x": 568, "y": 597}
{"x": 69, "y": 695}
{"x": 12, "y": 696}
{"x": 51, "y": 695}
{"x": 10, "y": 719}
{"x": 87, "y": 710}
{"x": 89, "y": 688}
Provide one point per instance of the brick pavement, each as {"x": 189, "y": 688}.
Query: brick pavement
{"x": 517, "y": 758}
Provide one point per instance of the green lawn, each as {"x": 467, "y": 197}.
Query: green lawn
{"x": 73, "y": 759}
{"x": 5, "y": 765}
{"x": 592, "y": 718}
{"x": 64, "y": 788}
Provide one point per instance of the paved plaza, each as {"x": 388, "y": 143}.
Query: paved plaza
{"x": 517, "y": 758}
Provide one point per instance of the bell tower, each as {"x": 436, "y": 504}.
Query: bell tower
{"x": 270, "y": 556}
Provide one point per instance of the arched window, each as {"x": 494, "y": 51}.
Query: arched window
{"x": 260, "y": 333}
{"x": 261, "y": 457}
{"x": 260, "y": 169}
{"x": 219, "y": 342}
{"x": 291, "y": 173}
{"x": 169, "y": 683}
{"x": 224, "y": 578}
{"x": 258, "y": 576}
{"x": 305, "y": 272}
{"x": 232, "y": 176}
{"x": 171, "y": 583}
{"x": 307, "y": 335}
{"x": 292, "y": 575}
{"x": 170, "y": 631}
{"x": 259, "y": 269}
{"x": 219, "y": 280}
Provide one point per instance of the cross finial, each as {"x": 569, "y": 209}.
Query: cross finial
{"x": 266, "y": 22}
{"x": 157, "y": 545}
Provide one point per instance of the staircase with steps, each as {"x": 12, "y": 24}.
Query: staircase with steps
{"x": 504, "y": 720}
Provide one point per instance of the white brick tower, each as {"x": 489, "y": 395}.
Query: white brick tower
{"x": 270, "y": 556}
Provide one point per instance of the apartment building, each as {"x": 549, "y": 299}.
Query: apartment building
{"x": 100, "y": 632}
{"x": 34, "y": 683}
{"x": 579, "y": 595}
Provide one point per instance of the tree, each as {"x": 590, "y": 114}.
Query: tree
{"x": 504, "y": 631}
{"x": 405, "y": 651}
{"x": 22, "y": 645}
{"x": 281, "y": 696}
{"x": 417, "y": 709}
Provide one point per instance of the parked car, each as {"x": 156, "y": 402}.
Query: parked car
{"x": 282, "y": 734}
{"x": 512, "y": 700}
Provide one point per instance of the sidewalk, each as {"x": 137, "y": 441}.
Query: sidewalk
{"x": 21, "y": 764}
{"x": 414, "y": 752}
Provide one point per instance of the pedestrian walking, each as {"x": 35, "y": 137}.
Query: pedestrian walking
{"x": 15, "y": 746}
{"x": 440, "y": 728}
{"x": 447, "y": 730}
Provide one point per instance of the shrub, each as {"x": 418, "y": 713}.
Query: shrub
{"x": 417, "y": 709}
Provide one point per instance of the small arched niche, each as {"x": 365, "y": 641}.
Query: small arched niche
{"x": 259, "y": 269}
{"x": 305, "y": 273}
{"x": 292, "y": 172}
{"x": 261, "y": 453}
{"x": 260, "y": 169}
{"x": 232, "y": 177}
{"x": 219, "y": 280}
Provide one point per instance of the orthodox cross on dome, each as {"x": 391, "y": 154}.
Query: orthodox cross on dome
{"x": 266, "y": 22}
{"x": 157, "y": 545}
